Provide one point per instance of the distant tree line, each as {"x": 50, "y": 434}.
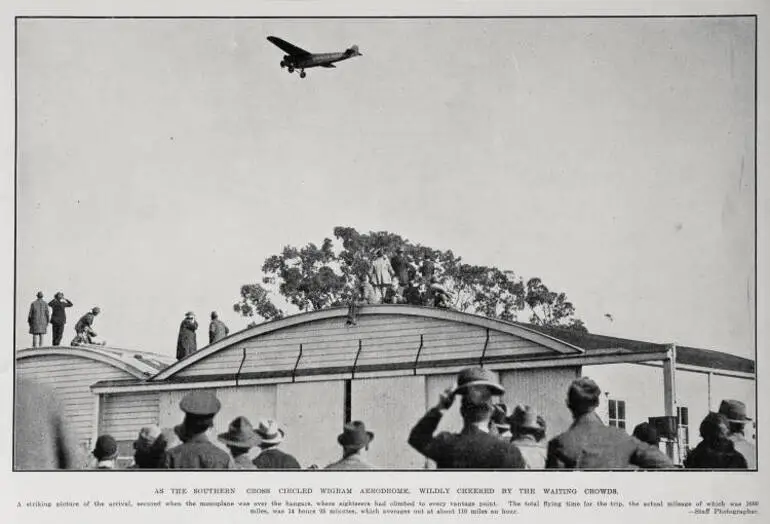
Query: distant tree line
{"x": 315, "y": 277}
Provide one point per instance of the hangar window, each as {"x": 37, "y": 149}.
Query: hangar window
{"x": 617, "y": 410}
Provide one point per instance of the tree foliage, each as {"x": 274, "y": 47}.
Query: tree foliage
{"x": 312, "y": 278}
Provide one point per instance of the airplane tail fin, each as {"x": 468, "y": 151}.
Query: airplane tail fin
{"x": 353, "y": 51}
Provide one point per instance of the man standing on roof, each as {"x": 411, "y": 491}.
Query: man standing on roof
{"x": 186, "y": 343}
{"x": 58, "y": 316}
{"x": 381, "y": 274}
{"x": 474, "y": 447}
{"x": 217, "y": 329}
{"x": 38, "y": 319}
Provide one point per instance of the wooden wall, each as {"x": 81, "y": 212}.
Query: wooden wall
{"x": 386, "y": 340}
{"x": 71, "y": 378}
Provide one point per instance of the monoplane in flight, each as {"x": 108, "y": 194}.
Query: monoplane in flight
{"x": 297, "y": 58}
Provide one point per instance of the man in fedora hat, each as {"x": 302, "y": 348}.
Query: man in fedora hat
{"x": 196, "y": 451}
{"x": 105, "y": 452}
{"x": 589, "y": 444}
{"x": 38, "y": 320}
{"x": 526, "y": 428}
{"x": 186, "y": 344}
{"x": 355, "y": 440}
{"x": 271, "y": 457}
{"x": 474, "y": 447}
{"x": 239, "y": 439}
{"x": 735, "y": 413}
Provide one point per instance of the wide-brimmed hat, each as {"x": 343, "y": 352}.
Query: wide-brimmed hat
{"x": 240, "y": 434}
{"x": 524, "y": 417}
{"x": 734, "y": 410}
{"x": 477, "y": 377}
{"x": 269, "y": 432}
{"x": 106, "y": 448}
{"x": 200, "y": 404}
{"x": 355, "y": 435}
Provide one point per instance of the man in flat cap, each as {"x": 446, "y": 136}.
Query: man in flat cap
{"x": 735, "y": 413}
{"x": 589, "y": 444}
{"x": 355, "y": 440}
{"x": 474, "y": 447}
{"x": 186, "y": 343}
{"x": 84, "y": 328}
{"x": 196, "y": 451}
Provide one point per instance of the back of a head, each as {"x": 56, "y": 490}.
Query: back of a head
{"x": 713, "y": 427}
{"x": 646, "y": 433}
{"x": 583, "y": 395}
{"x": 214, "y": 315}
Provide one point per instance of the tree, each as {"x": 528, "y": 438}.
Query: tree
{"x": 313, "y": 278}
{"x": 255, "y": 301}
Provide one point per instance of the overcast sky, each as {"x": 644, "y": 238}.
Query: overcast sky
{"x": 161, "y": 161}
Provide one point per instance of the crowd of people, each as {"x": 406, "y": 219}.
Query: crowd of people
{"x": 490, "y": 438}
{"x": 42, "y": 313}
{"x": 396, "y": 280}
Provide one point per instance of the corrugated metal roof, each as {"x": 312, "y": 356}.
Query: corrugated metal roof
{"x": 685, "y": 355}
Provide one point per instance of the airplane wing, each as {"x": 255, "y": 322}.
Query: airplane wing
{"x": 328, "y": 65}
{"x": 291, "y": 49}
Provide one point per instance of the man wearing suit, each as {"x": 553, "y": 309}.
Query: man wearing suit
{"x": 58, "y": 316}
{"x": 589, "y": 444}
{"x": 474, "y": 447}
{"x": 355, "y": 440}
{"x": 270, "y": 436}
{"x": 38, "y": 320}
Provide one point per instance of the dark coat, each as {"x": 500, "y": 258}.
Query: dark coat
{"x": 715, "y": 455}
{"x": 38, "y": 317}
{"x": 589, "y": 444}
{"x": 217, "y": 330}
{"x": 197, "y": 453}
{"x": 274, "y": 458}
{"x": 412, "y": 296}
{"x": 469, "y": 449}
{"x": 400, "y": 266}
{"x": 58, "y": 314}
{"x": 186, "y": 344}
{"x": 85, "y": 322}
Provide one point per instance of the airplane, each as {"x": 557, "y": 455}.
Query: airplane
{"x": 298, "y": 58}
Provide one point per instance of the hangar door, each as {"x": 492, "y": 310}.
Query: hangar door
{"x": 390, "y": 407}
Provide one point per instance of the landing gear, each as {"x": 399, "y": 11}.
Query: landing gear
{"x": 283, "y": 64}
{"x": 302, "y": 74}
{"x": 291, "y": 69}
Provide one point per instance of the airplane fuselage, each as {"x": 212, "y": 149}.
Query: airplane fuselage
{"x": 316, "y": 59}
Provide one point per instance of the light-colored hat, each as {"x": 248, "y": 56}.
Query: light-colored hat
{"x": 269, "y": 432}
{"x": 734, "y": 410}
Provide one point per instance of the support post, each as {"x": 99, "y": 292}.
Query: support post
{"x": 669, "y": 391}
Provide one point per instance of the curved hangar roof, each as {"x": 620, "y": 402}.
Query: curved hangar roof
{"x": 385, "y": 338}
{"x": 139, "y": 364}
